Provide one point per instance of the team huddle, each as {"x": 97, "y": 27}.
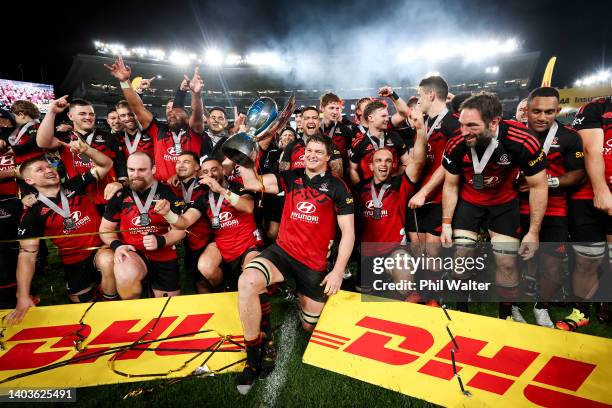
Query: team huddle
{"x": 439, "y": 171}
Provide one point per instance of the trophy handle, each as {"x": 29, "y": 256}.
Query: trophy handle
{"x": 280, "y": 122}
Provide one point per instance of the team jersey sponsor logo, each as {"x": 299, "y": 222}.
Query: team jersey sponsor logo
{"x": 323, "y": 187}
{"x": 504, "y": 160}
{"x": 7, "y": 161}
{"x": 577, "y": 121}
{"x": 369, "y": 210}
{"x": 79, "y": 221}
{"x": 304, "y": 211}
{"x": 172, "y": 154}
{"x": 227, "y": 219}
{"x": 99, "y": 139}
{"x": 537, "y": 160}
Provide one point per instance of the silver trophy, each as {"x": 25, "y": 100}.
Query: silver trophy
{"x": 263, "y": 121}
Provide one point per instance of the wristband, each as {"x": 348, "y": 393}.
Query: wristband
{"x": 447, "y": 220}
{"x": 115, "y": 244}
{"x": 232, "y": 198}
{"x": 395, "y": 96}
{"x": 125, "y": 84}
{"x": 171, "y": 217}
{"x": 553, "y": 182}
{"x": 161, "y": 241}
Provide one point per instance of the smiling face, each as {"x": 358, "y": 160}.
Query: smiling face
{"x": 332, "y": 111}
{"x": 474, "y": 130}
{"x": 186, "y": 167}
{"x": 177, "y": 119}
{"x": 217, "y": 122}
{"x": 83, "y": 117}
{"x": 541, "y": 112}
{"x": 310, "y": 122}
{"x": 41, "y": 174}
{"x": 316, "y": 157}
{"x": 378, "y": 119}
{"x": 127, "y": 118}
{"x": 213, "y": 169}
{"x": 382, "y": 165}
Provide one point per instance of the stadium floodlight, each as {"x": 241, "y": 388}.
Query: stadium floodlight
{"x": 492, "y": 70}
{"x": 473, "y": 49}
{"x": 178, "y": 58}
{"x": 233, "y": 59}
{"x": 432, "y": 73}
{"x": 263, "y": 58}
{"x": 597, "y": 78}
{"x": 156, "y": 53}
{"x": 213, "y": 56}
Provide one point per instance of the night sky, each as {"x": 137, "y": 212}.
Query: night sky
{"x": 39, "y": 44}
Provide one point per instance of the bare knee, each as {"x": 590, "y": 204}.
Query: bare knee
{"x": 251, "y": 281}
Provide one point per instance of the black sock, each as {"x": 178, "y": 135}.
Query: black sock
{"x": 505, "y": 310}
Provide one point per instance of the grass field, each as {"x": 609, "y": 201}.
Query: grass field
{"x": 292, "y": 384}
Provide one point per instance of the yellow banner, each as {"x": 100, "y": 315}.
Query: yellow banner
{"x": 50, "y": 336}
{"x": 407, "y": 347}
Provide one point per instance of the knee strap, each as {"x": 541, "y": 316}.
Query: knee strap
{"x": 464, "y": 242}
{"x": 594, "y": 250}
{"x": 309, "y": 318}
{"x": 261, "y": 267}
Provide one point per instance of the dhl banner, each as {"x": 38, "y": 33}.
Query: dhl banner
{"x": 407, "y": 347}
{"x": 50, "y": 336}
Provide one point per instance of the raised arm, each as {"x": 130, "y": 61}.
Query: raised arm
{"x": 45, "y": 136}
{"x": 416, "y": 156}
{"x": 122, "y": 73}
{"x": 196, "y": 121}
{"x": 402, "y": 111}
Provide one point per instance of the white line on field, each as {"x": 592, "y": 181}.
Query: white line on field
{"x": 275, "y": 381}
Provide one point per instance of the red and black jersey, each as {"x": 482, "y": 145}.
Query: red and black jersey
{"x": 341, "y": 136}
{"x": 23, "y": 142}
{"x": 448, "y": 128}
{"x": 8, "y": 186}
{"x": 596, "y": 115}
{"x": 405, "y": 130}
{"x": 145, "y": 144}
{"x": 517, "y": 148}
{"x": 308, "y": 223}
{"x": 40, "y": 220}
{"x": 565, "y": 154}
{"x": 123, "y": 210}
{"x": 294, "y": 154}
{"x": 390, "y": 227}
{"x": 238, "y": 230}
{"x": 165, "y": 153}
{"x": 212, "y": 146}
{"x": 359, "y": 131}
{"x": 363, "y": 149}
{"x": 80, "y": 163}
{"x": 200, "y": 233}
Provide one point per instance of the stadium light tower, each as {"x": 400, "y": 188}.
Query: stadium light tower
{"x": 213, "y": 56}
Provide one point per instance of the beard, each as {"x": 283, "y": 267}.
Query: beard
{"x": 138, "y": 184}
{"x": 176, "y": 125}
